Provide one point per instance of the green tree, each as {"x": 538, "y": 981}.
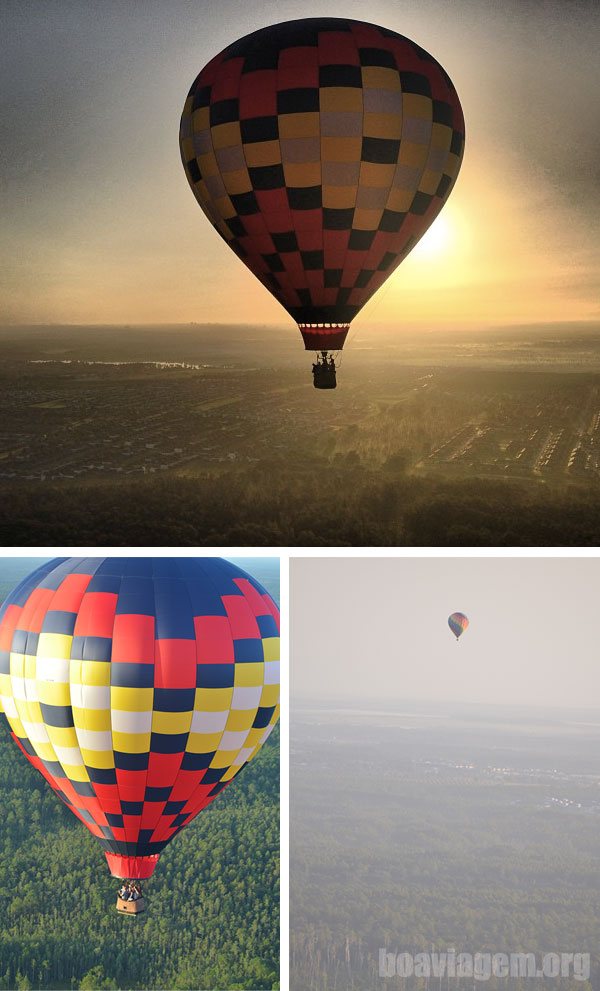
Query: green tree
{"x": 95, "y": 980}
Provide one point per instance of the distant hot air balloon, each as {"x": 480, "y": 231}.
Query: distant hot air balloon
{"x": 458, "y": 623}
{"x": 321, "y": 150}
{"x": 139, "y": 688}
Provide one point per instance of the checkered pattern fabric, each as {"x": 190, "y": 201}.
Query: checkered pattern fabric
{"x": 321, "y": 150}
{"x": 139, "y": 688}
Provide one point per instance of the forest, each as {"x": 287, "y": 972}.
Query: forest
{"x": 212, "y": 917}
{"x": 281, "y": 502}
{"x": 415, "y": 843}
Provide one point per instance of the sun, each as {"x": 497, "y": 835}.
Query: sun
{"x": 435, "y": 241}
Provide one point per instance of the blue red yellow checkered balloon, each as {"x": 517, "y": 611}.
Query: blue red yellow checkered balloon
{"x": 139, "y": 688}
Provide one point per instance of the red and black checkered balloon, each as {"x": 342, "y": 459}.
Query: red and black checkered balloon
{"x": 321, "y": 150}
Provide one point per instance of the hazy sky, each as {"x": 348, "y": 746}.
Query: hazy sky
{"x": 99, "y": 224}
{"x": 377, "y": 629}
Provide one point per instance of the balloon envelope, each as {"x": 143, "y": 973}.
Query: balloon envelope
{"x": 321, "y": 150}
{"x": 458, "y": 623}
{"x": 139, "y": 688}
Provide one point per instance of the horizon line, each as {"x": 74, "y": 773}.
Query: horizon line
{"x": 264, "y": 326}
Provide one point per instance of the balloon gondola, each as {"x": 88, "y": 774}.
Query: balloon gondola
{"x": 324, "y": 372}
{"x": 321, "y": 150}
{"x": 127, "y": 907}
{"x": 139, "y": 688}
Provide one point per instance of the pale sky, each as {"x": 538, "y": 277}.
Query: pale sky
{"x": 376, "y": 629}
{"x": 100, "y": 226}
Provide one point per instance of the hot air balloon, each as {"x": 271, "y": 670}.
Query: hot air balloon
{"x": 458, "y": 623}
{"x": 139, "y": 688}
{"x": 321, "y": 150}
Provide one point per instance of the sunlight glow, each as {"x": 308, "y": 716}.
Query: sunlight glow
{"x": 436, "y": 240}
